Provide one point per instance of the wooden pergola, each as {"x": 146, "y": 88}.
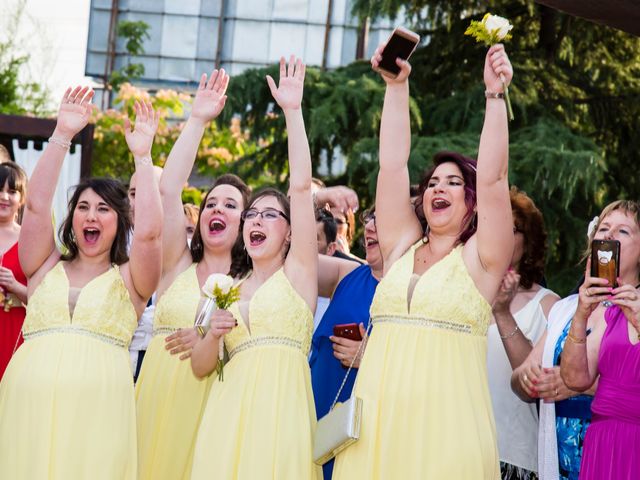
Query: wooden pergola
{"x": 39, "y": 130}
{"x": 620, "y": 14}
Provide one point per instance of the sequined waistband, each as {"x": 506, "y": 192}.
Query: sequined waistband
{"x": 426, "y": 323}
{"x": 266, "y": 341}
{"x": 165, "y": 330}
{"x": 118, "y": 342}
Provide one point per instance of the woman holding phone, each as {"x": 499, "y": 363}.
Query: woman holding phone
{"x": 565, "y": 412}
{"x": 609, "y": 353}
{"x": 423, "y": 379}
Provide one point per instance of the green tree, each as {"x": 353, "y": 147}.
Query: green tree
{"x": 134, "y": 34}
{"x": 576, "y": 95}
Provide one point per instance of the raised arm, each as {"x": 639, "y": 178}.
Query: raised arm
{"x": 37, "y": 241}
{"x": 207, "y": 105}
{"x": 302, "y": 260}
{"x": 495, "y": 224}
{"x": 145, "y": 259}
{"x": 398, "y": 225}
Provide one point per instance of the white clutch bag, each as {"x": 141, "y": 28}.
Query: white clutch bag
{"x": 341, "y": 426}
{"x": 337, "y": 430}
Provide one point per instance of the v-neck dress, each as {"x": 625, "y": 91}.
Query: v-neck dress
{"x": 423, "y": 380}
{"x": 169, "y": 398}
{"x": 67, "y": 406}
{"x": 259, "y": 421}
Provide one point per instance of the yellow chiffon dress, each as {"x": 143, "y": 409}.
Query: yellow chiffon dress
{"x": 169, "y": 398}
{"x": 423, "y": 380}
{"x": 259, "y": 422}
{"x": 67, "y": 407}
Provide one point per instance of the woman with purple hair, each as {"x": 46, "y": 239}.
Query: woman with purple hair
{"x": 423, "y": 379}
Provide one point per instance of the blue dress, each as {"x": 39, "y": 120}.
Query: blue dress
{"x": 350, "y": 304}
{"x": 573, "y": 416}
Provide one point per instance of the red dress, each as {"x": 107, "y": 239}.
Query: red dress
{"x": 11, "y": 320}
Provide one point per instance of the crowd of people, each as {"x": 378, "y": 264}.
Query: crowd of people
{"x": 453, "y": 342}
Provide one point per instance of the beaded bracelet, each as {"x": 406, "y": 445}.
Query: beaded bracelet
{"x": 60, "y": 142}
{"x": 504, "y": 337}
{"x": 499, "y": 95}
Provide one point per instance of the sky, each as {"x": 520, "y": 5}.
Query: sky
{"x": 54, "y": 34}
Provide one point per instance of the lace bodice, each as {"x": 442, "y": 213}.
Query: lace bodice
{"x": 178, "y": 305}
{"x": 444, "y": 295}
{"x": 103, "y": 307}
{"x": 277, "y": 314}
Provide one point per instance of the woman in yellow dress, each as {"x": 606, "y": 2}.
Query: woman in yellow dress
{"x": 169, "y": 398}
{"x": 67, "y": 407}
{"x": 423, "y": 380}
{"x": 259, "y": 421}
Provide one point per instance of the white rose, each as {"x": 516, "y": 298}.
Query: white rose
{"x": 498, "y": 24}
{"x": 224, "y": 283}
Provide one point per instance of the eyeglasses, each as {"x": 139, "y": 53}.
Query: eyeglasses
{"x": 367, "y": 216}
{"x": 268, "y": 214}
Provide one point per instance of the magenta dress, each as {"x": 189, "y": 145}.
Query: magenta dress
{"x": 612, "y": 439}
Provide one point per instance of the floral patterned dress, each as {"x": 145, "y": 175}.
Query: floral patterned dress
{"x": 573, "y": 416}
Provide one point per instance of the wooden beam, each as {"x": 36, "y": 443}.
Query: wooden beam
{"x": 39, "y": 130}
{"x": 620, "y": 14}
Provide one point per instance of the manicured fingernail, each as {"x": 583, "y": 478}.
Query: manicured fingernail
{"x": 534, "y": 381}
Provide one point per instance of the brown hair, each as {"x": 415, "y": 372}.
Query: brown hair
{"x": 468, "y": 167}
{"x": 242, "y": 268}
{"x": 115, "y": 195}
{"x": 237, "y": 251}
{"x": 16, "y": 179}
{"x": 528, "y": 220}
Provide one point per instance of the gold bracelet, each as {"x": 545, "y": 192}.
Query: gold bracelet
{"x": 576, "y": 340}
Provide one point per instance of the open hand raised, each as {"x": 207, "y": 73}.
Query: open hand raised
{"x": 75, "y": 110}
{"x": 288, "y": 93}
{"x": 140, "y": 140}
{"x": 210, "y": 97}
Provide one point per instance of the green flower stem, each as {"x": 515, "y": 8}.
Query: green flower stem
{"x": 508, "y": 100}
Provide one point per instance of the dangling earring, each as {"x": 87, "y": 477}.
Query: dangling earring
{"x": 425, "y": 235}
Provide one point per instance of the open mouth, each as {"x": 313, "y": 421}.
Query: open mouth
{"x": 91, "y": 235}
{"x": 256, "y": 238}
{"x": 440, "y": 204}
{"x": 217, "y": 226}
{"x": 370, "y": 242}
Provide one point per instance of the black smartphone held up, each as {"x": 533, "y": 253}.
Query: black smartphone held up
{"x": 605, "y": 260}
{"x": 401, "y": 44}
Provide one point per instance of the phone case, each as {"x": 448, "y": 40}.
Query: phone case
{"x": 348, "y": 330}
{"x": 400, "y": 44}
{"x": 605, "y": 260}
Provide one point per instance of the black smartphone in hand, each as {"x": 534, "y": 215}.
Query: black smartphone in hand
{"x": 401, "y": 44}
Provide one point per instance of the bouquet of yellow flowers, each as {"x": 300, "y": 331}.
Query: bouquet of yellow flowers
{"x": 219, "y": 292}
{"x": 490, "y": 30}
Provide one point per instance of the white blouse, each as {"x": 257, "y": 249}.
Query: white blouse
{"x": 516, "y": 421}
